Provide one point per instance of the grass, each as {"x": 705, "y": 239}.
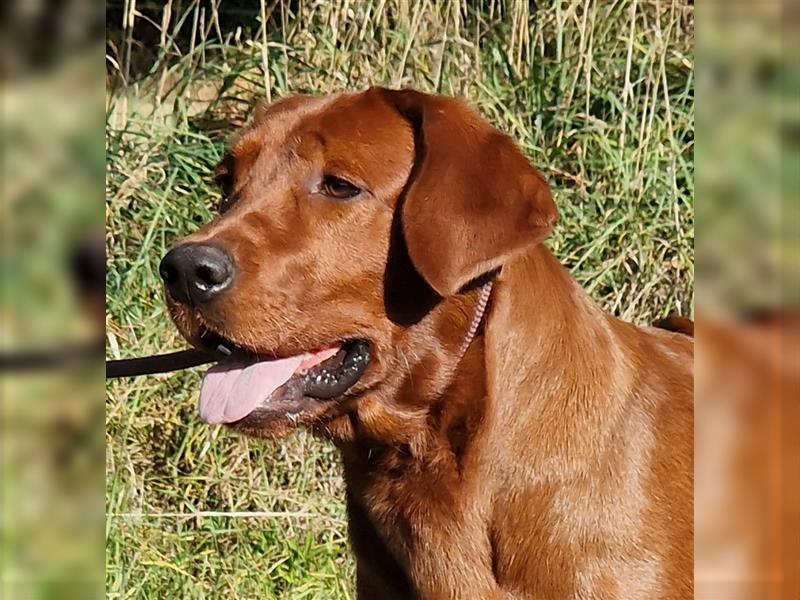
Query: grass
{"x": 599, "y": 95}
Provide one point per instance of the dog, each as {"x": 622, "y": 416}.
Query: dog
{"x": 377, "y": 275}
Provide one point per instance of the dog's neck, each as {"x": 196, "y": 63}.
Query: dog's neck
{"x": 542, "y": 317}
{"x": 440, "y": 374}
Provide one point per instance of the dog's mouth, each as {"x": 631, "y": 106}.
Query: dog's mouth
{"x": 243, "y": 385}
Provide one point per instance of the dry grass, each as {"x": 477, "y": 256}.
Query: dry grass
{"x": 599, "y": 95}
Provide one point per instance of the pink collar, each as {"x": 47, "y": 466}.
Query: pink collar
{"x": 480, "y": 309}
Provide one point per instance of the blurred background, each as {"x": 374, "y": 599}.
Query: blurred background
{"x": 600, "y": 95}
{"x": 747, "y": 379}
{"x": 51, "y": 300}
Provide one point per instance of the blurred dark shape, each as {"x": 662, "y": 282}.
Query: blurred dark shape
{"x": 36, "y": 33}
{"x": 88, "y": 268}
{"x": 677, "y": 324}
{"x": 49, "y": 359}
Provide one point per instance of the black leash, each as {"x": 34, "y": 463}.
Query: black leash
{"x": 160, "y": 363}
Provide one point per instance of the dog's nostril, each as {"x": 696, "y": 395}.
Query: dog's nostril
{"x": 211, "y": 275}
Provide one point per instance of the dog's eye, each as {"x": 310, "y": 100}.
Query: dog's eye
{"x": 224, "y": 180}
{"x": 225, "y": 184}
{"x": 338, "y": 188}
{"x": 226, "y": 203}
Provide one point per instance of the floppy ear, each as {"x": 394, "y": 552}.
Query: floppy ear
{"x": 473, "y": 199}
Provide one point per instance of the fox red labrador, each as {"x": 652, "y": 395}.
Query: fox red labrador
{"x": 376, "y": 274}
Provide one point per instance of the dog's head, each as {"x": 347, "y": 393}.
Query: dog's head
{"x": 344, "y": 220}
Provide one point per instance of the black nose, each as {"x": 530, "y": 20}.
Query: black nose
{"x": 196, "y": 273}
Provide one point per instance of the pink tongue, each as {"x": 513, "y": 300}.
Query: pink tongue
{"x": 232, "y": 390}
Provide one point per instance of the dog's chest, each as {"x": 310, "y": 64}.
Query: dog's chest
{"x": 397, "y": 504}
{"x": 401, "y": 494}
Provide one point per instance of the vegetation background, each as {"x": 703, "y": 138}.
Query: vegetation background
{"x": 599, "y": 94}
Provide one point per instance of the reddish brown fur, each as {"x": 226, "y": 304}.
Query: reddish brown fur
{"x": 555, "y": 459}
